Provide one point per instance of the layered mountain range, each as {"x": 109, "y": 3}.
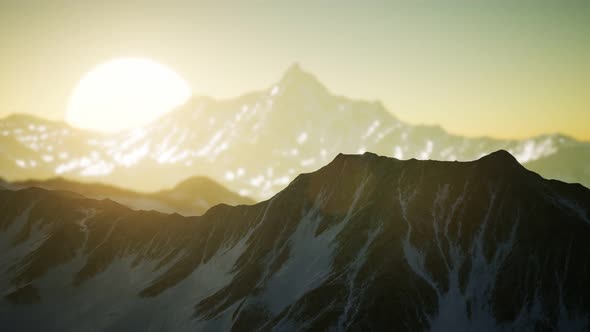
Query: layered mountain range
{"x": 191, "y": 197}
{"x": 257, "y": 143}
{"x": 364, "y": 243}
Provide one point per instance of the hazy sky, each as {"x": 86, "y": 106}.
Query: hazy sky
{"x": 499, "y": 68}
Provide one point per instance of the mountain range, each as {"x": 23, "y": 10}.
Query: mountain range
{"x": 255, "y": 144}
{"x": 364, "y": 243}
{"x": 191, "y": 197}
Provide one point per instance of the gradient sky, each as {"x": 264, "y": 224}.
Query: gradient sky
{"x": 496, "y": 68}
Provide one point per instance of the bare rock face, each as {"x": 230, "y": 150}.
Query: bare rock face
{"x": 365, "y": 243}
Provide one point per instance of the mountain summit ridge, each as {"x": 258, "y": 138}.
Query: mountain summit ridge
{"x": 384, "y": 243}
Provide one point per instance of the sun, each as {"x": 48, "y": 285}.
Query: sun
{"x": 125, "y": 93}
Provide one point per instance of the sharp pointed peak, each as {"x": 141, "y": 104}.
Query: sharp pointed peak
{"x": 294, "y": 68}
{"x": 296, "y": 76}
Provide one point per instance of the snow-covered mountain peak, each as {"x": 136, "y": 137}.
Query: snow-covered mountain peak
{"x": 255, "y": 144}
{"x": 298, "y": 80}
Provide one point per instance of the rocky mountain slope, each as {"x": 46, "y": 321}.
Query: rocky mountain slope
{"x": 191, "y": 197}
{"x": 297, "y": 122}
{"x": 364, "y": 243}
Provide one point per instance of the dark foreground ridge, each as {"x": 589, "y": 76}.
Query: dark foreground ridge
{"x": 364, "y": 243}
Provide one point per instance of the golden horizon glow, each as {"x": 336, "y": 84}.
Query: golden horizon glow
{"x": 504, "y": 69}
{"x": 124, "y": 93}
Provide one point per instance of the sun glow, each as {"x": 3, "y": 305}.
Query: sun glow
{"x": 125, "y": 93}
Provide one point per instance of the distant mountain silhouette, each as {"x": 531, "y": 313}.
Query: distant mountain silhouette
{"x": 256, "y": 143}
{"x": 191, "y": 197}
{"x": 364, "y": 243}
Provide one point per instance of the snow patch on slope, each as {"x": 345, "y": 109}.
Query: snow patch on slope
{"x": 310, "y": 259}
{"x": 468, "y": 309}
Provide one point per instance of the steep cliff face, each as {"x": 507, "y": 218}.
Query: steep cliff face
{"x": 366, "y": 242}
